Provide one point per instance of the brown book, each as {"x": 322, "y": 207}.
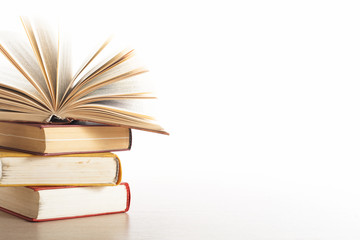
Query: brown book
{"x": 53, "y": 139}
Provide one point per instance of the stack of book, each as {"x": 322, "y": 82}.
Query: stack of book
{"x": 68, "y": 171}
{"x": 59, "y": 127}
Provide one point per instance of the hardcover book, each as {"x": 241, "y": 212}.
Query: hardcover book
{"x": 37, "y": 82}
{"x": 51, "y": 139}
{"x": 39, "y": 204}
{"x": 94, "y": 169}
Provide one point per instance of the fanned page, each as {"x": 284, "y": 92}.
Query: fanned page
{"x": 16, "y": 48}
{"x": 109, "y": 86}
{"x": 121, "y": 71}
{"x": 64, "y": 69}
{"x": 12, "y": 79}
{"x": 129, "y": 88}
{"x": 99, "y": 61}
{"x": 18, "y": 98}
{"x": 43, "y": 36}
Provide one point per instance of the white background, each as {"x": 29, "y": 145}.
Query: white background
{"x": 261, "y": 99}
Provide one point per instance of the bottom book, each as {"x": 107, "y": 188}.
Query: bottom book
{"x": 54, "y": 203}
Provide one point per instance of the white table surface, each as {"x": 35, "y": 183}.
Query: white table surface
{"x": 204, "y": 211}
{"x": 167, "y": 211}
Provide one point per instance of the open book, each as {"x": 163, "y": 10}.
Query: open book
{"x": 37, "y": 83}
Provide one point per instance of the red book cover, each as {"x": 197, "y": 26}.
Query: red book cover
{"x": 128, "y": 198}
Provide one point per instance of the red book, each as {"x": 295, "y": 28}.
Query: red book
{"x": 39, "y": 204}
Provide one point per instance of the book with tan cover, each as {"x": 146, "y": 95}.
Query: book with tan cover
{"x": 51, "y": 139}
{"x": 89, "y": 169}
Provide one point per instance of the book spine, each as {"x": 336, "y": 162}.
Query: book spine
{"x": 119, "y": 170}
{"x": 128, "y": 200}
{"x": 130, "y": 139}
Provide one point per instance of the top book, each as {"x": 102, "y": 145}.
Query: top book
{"x": 37, "y": 83}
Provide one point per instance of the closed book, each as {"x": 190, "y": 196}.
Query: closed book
{"x": 24, "y": 169}
{"x": 55, "y": 203}
{"x": 57, "y": 139}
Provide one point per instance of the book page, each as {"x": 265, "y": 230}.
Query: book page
{"x": 18, "y": 106}
{"x": 121, "y": 71}
{"x": 123, "y": 68}
{"x": 109, "y": 49}
{"x": 94, "y": 51}
{"x": 114, "y": 117}
{"x": 105, "y": 66}
{"x": 6, "y": 115}
{"x": 43, "y": 36}
{"x": 106, "y": 56}
{"x": 142, "y": 108}
{"x": 134, "y": 111}
{"x": 136, "y": 86}
{"x": 11, "y": 78}
{"x": 18, "y": 52}
{"x": 12, "y": 94}
{"x": 64, "y": 68}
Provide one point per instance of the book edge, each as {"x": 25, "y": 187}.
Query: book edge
{"x": 53, "y": 125}
{"x": 65, "y": 153}
{"x": 53, "y": 219}
{"x": 44, "y": 188}
{"x": 42, "y": 126}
